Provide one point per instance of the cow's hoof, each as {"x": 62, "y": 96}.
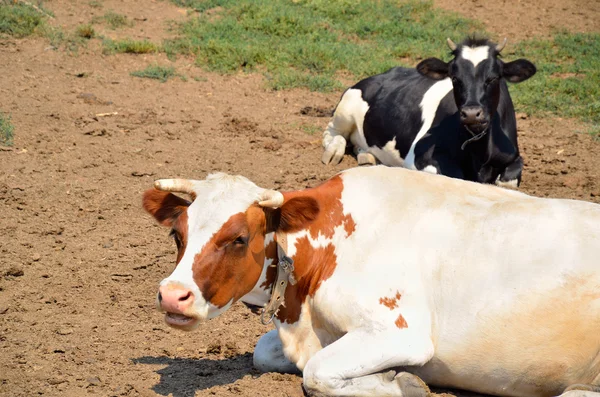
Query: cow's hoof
{"x": 335, "y": 150}
{"x": 366, "y": 158}
{"x": 412, "y": 386}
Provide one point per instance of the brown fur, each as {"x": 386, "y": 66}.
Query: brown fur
{"x": 169, "y": 210}
{"x": 226, "y": 271}
{"x": 390, "y": 303}
{"x": 401, "y": 322}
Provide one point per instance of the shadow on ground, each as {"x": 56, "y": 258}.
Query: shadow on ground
{"x": 183, "y": 377}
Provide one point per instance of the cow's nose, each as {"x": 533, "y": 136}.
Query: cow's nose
{"x": 472, "y": 115}
{"x": 175, "y": 299}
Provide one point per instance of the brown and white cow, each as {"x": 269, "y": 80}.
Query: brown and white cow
{"x": 397, "y": 273}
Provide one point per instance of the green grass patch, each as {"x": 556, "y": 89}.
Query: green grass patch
{"x": 113, "y": 20}
{"x": 306, "y": 43}
{"x": 128, "y": 46}
{"x": 19, "y": 20}
{"x": 86, "y": 31}
{"x": 95, "y": 4}
{"x": 568, "y": 79}
{"x": 157, "y": 72}
{"x": 6, "y": 130}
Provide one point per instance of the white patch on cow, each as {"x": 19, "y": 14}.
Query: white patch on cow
{"x": 512, "y": 184}
{"x": 431, "y": 169}
{"x": 348, "y": 117}
{"x": 475, "y": 54}
{"x": 388, "y": 154}
{"x": 429, "y": 105}
{"x": 218, "y": 198}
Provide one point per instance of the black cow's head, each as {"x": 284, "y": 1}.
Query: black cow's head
{"x": 476, "y": 72}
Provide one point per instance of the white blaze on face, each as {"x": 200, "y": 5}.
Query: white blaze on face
{"x": 218, "y": 198}
{"x": 475, "y": 54}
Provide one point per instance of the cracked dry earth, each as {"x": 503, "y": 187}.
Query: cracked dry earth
{"x": 80, "y": 260}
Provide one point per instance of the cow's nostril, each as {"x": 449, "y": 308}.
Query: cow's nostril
{"x": 463, "y": 114}
{"x": 185, "y": 297}
{"x": 159, "y": 297}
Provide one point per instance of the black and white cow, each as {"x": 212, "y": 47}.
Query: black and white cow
{"x": 455, "y": 118}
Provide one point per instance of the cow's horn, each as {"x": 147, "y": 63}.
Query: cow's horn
{"x": 451, "y": 44}
{"x": 500, "y": 47}
{"x": 177, "y": 185}
{"x": 271, "y": 198}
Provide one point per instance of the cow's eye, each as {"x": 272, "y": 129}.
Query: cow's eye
{"x": 240, "y": 240}
{"x": 176, "y": 238}
{"x": 491, "y": 80}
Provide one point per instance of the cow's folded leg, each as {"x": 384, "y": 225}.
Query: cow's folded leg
{"x": 358, "y": 365}
{"x": 580, "y": 393}
{"x": 268, "y": 355}
{"x": 584, "y": 387}
{"x": 511, "y": 176}
{"x": 365, "y": 158}
{"x": 335, "y": 148}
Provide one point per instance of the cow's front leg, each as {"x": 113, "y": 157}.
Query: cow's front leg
{"x": 511, "y": 176}
{"x": 359, "y": 364}
{"x": 268, "y": 355}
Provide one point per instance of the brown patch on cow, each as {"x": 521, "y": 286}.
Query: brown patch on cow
{"x": 401, "y": 322}
{"x": 169, "y": 210}
{"x": 270, "y": 253}
{"x": 328, "y": 196}
{"x": 391, "y": 303}
{"x": 165, "y": 207}
{"x": 226, "y": 270}
{"x": 312, "y": 267}
{"x": 349, "y": 225}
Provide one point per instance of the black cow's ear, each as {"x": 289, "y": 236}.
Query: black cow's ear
{"x": 517, "y": 71}
{"x": 433, "y": 68}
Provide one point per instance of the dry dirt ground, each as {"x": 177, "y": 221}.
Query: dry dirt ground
{"x": 80, "y": 260}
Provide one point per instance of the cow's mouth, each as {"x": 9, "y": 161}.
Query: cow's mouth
{"x": 179, "y": 320}
{"x": 478, "y": 128}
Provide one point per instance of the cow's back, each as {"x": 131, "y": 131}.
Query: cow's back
{"x": 513, "y": 280}
{"x": 396, "y": 100}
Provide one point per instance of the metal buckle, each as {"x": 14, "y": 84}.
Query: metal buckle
{"x": 262, "y": 318}
{"x": 287, "y": 264}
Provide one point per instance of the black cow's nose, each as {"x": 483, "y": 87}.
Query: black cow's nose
{"x": 472, "y": 115}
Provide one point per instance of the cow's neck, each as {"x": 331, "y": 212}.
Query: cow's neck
{"x": 478, "y": 149}
{"x": 313, "y": 248}
{"x": 260, "y": 294}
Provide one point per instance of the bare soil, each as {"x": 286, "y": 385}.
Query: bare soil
{"x": 79, "y": 259}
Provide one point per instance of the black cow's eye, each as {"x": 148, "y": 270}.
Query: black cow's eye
{"x": 491, "y": 80}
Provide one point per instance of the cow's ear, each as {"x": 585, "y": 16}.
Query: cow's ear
{"x": 163, "y": 206}
{"x": 295, "y": 214}
{"x": 433, "y": 68}
{"x": 517, "y": 71}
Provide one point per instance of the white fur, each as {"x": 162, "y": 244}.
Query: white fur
{"x": 431, "y": 169}
{"x": 475, "y": 54}
{"x": 429, "y": 105}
